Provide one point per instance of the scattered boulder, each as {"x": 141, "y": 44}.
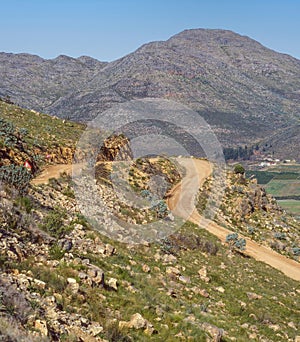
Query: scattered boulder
{"x": 146, "y": 268}
{"x": 41, "y": 326}
{"x": 253, "y": 296}
{"x": 203, "y": 274}
{"x": 215, "y": 332}
{"x": 95, "y": 329}
{"x": 73, "y": 285}
{"x": 170, "y": 270}
{"x": 169, "y": 258}
{"x": 185, "y": 279}
{"x": 113, "y": 283}
{"x": 220, "y": 289}
{"x": 137, "y": 321}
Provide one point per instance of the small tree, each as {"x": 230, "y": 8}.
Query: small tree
{"x": 239, "y": 169}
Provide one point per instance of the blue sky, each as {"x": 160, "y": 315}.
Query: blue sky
{"x": 109, "y": 29}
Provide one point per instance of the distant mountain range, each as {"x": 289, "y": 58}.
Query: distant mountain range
{"x": 245, "y": 91}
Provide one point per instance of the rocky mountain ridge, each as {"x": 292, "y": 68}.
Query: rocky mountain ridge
{"x": 245, "y": 91}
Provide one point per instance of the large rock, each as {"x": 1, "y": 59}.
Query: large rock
{"x": 137, "y": 321}
{"x": 41, "y": 326}
{"x": 73, "y": 285}
{"x": 170, "y": 270}
{"x": 215, "y": 332}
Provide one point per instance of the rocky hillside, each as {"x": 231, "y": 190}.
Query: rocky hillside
{"x": 247, "y": 209}
{"x": 62, "y": 280}
{"x": 38, "y": 138}
{"x": 244, "y": 90}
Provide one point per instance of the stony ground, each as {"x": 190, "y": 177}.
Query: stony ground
{"x": 249, "y": 210}
{"x": 63, "y": 281}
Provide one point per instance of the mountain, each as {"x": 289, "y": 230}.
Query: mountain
{"x": 36, "y": 83}
{"x": 244, "y": 90}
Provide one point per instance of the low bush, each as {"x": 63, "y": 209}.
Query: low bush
{"x": 17, "y": 176}
{"x": 24, "y": 203}
{"x": 53, "y": 223}
{"x": 235, "y": 242}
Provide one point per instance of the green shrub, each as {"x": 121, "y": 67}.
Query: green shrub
{"x": 17, "y": 176}
{"x": 24, "y": 203}
{"x": 235, "y": 242}
{"x": 296, "y": 251}
{"x": 239, "y": 169}
{"x": 280, "y": 236}
{"x": 53, "y": 224}
{"x": 114, "y": 334}
{"x": 56, "y": 253}
{"x": 10, "y": 141}
{"x": 6, "y": 128}
{"x": 50, "y": 277}
{"x": 23, "y": 131}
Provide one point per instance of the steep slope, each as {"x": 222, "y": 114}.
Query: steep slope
{"x": 284, "y": 142}
{"x": 35, "y": 137}
{"x": 244, "y": 90}
{"x": 61, "y": 280}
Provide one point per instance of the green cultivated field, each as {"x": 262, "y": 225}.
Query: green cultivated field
{"x": 292, "y": 206}
{"x": 283, "y": 187}
{"x": 282, "y": 182}
{"x": 285, "y": 168}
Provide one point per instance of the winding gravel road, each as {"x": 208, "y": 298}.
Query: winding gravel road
{"x": 182, "y": 203}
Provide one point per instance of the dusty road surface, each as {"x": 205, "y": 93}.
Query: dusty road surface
{"x": 54, "y": 171}
{"x": 182, "y": 203}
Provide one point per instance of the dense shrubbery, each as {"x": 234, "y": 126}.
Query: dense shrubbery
{"x": 17, "y": 176}
{"x": 10, "y": 135}
{"x": 177, "y": 242}
{"x": 24, "y": 203}
{"x": 7, "y": 131}
{"x": 6, "y": 128}
{"x": 280, "y": 236}
{"x": 240, "y": 153}
{"x": 159, "y": 206}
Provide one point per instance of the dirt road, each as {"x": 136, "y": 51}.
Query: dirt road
{"x": 181, "y": 202}
{"x": 54, "y": 171}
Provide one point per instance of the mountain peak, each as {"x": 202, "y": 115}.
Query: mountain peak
{"x": 213, "y": 37}
{"x": 90, "y": 61}
{"x": 243, "y": 89}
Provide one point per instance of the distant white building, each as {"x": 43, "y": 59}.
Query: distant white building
{"x": 263, "y": 164}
